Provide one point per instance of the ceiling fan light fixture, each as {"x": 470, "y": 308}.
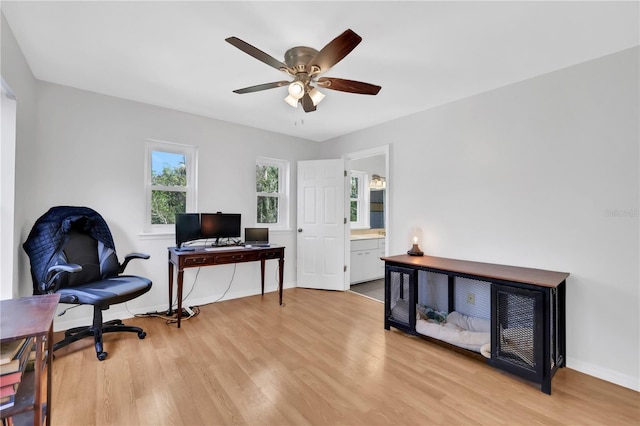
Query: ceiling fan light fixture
{"x": 304, "y": 65}
{"x": 291, "y": 101}
{"x": 296, "y": 90}
{"x": 316, "y": 96}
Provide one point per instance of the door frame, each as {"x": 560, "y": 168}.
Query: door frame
{"x": 370, "y": 152}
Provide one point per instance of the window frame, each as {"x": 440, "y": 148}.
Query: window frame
{"x": 362, "y": 200}
{"x": 190, "y": 153}
{"x": 282, "y": 195}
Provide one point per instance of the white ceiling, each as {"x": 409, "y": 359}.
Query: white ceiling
{"x": 424, "y": 54}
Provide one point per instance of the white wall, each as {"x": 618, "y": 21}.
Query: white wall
{"x": 16, "y": 73}
{"x": 544, "y": 174}
{"x": 7, "y": 189}
{"x": 80, "y": 148}
{"x": 91, "y": 153}
{"x": 374, "y": 165}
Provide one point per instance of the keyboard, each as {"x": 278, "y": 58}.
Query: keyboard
{"x": 224, "y": 248}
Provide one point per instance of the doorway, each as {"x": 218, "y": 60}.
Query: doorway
{"x": 8, "y": 102}
{"x": 367, "y": 237}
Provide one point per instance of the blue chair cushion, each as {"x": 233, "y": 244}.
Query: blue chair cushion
{"x": 106, "y": 292}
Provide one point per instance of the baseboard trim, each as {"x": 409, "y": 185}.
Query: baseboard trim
{"x": 605, "y": 374}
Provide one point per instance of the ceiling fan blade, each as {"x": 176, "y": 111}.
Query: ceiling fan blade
{"x": 350, "y": 86}
{"x": 334, "y": 52}
{"x": 307, "y": 103}
{"x": 260, "y": 87}
{"x": 256, "y": 53}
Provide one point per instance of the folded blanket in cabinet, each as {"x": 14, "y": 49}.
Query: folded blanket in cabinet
{"x": 452, "y": 333}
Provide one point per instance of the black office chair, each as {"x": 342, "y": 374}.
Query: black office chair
{"x": 72, "y": 253}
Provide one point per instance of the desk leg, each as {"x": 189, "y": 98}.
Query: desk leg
{"x": 49, "y": 361}
{"x": 280, "y": 277}
{"x": 262, "y": 261}
{"x": 170, "y": 311}
{"x": 37, "y": 381}
{"x": 180, "y": 278}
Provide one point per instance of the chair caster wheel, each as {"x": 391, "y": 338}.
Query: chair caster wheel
{"x": 142, "y": 335}
{"x": 102, "y": 356}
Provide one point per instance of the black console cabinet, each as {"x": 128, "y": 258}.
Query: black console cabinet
{"x": 527, "y": 310}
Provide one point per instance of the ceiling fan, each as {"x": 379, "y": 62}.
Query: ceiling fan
{"x": 305, "y": 65}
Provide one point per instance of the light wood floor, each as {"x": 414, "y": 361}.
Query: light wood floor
{"x": 324, "y": 359}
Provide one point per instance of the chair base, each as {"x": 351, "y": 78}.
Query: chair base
{"x": 96, "y": 331}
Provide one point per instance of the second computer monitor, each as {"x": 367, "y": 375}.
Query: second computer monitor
{"x": 220, "y": 225}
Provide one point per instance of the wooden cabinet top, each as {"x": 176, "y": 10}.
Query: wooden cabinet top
{"x": 488, "y": 271}
{"x": 27, "y": 316}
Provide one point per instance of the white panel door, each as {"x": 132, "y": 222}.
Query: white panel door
{"x": 321, "y": 225}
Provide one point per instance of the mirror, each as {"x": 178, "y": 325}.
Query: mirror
{"x": 376, "y": 208}
{"x": 370, "y": 171}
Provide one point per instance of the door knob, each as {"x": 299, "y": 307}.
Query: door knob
{"x": 299, "y": 229}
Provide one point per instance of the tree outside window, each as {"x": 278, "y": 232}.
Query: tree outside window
{"x": 267, "y": 186}
{"x": 170, "y": 184}
{"x": 169, "y": 177}
{"x": 271, "y": 192}
{"x": 359, "y": 198}
{"x": 355, "y": 183}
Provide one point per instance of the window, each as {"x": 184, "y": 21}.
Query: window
{"x": 170, "y": 176}
{"x": 359, "y": 197}
{"x": 272, "y": 193}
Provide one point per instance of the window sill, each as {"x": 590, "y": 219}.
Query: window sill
{"x": 156, "y": 235}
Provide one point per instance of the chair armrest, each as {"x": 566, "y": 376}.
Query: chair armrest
{"x": 128, "y": 258}
{"x": 65, "y": 267}
{"x": 54, "y": 272}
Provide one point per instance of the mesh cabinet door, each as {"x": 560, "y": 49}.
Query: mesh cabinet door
{"x": 517, "y": 323}
{"x": 400, "y": 289}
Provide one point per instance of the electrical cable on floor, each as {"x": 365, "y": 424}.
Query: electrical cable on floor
{"x": 196, "y": 309}
{"x": 171, "y": 319}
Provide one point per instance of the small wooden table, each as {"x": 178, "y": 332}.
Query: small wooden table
{"x": 31, "y": 318}
{"x": 220, "y": 256}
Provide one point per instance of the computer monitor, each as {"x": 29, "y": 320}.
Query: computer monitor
{"x": 187, "y": 228}
{"x": 220, "y": 225}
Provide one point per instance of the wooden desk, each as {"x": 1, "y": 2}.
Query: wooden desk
{"x": 528, "y": 301}
{"x": 31, "y": 317}
{"x": 220, "y": 256}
